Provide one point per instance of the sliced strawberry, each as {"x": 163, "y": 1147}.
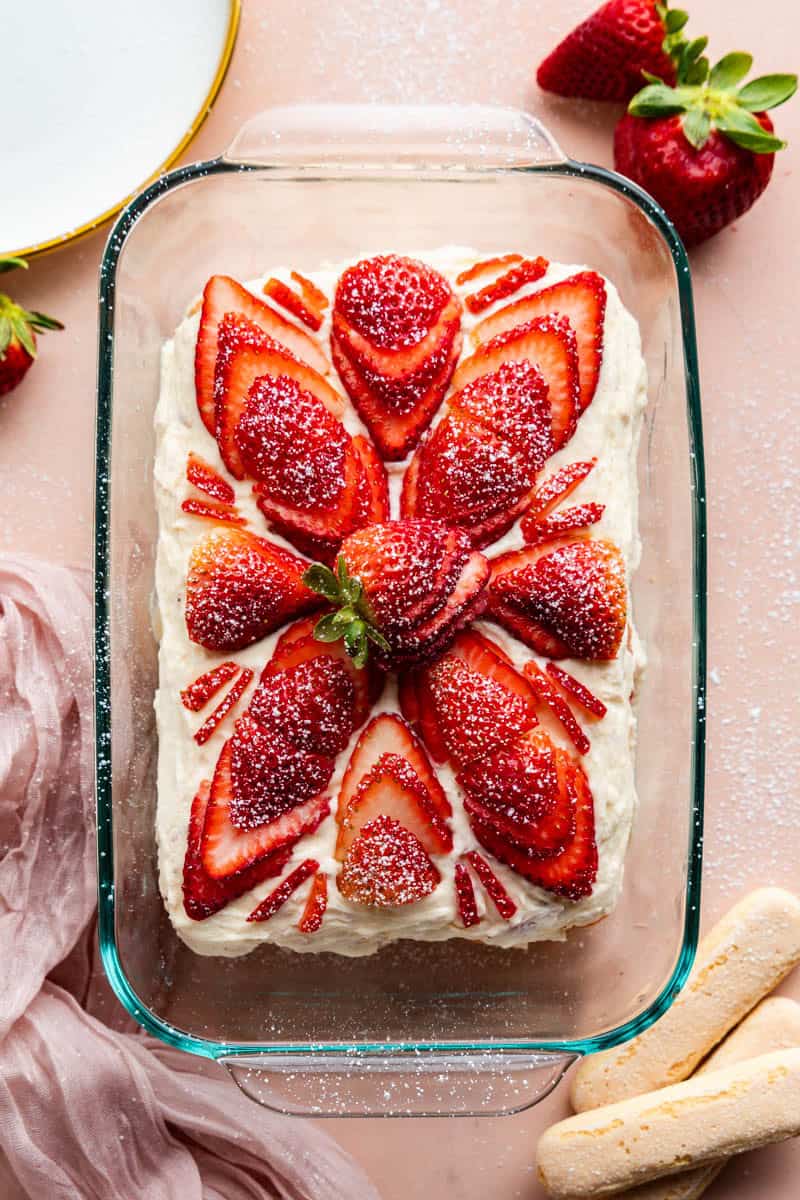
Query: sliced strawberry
{"x": 392, "y": 302}
{"x": 314, "y": 296}
{"x": 224, "y": 295}
{"x": 386, "y": 866}
{"x": 570, "y": 873}
{"x": 548, "y": 693}
{"x": 465, "y": 896}
{"x": 246, "y": 354}
{"x": 203, "y": 476}
{"x": 226, "y": 705}
{"x": 240, "y": 587}
{"x": 558, "y": 486}
{"x": 511, "y": 785}
{"x": 374, "y": 508}
{"x": 316, "y": 904}
{"x": 202, "y": 895}
{"x": 486, "y": 266}
{"x": 479, "y": 700}
{"x": 294, "y": 304}
{"x": 465, "y": 604}
{"x": 564, "y": 599}
{"x": 278, "y": 897}
{"x": 212, "y": 510}
{"x": 547, "y": 343}
{"x": 582, "y": 300}
{"x": 416, "y": 705}
{"x": 579, "y": 691}
{"x": 388, "y": 735}
{"x": 513, "y": 403}
{"x": 311, "y": 704}
{"x": 392, "y": 788}
{"x": 226, "y": 848}
{"x": 270, "y": 775}
{"x": 197, "y": 694}
{"x": 537, "y": 530}
{"x": 528, "y": 271}
{"x": 298, "y": 645}
{"x": 492, "y": 885}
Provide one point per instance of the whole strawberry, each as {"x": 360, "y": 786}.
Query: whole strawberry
{"x": 604, "y": 57}
{"x": 18, "y": 329}
{"x": 704, "y": 148}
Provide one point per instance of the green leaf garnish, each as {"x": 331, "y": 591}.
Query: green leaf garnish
{"x": 730, "y": 70}
{"x": 321, "y": 579}
{"x": 352, "y": 621}
{"x": 8, "y": 262}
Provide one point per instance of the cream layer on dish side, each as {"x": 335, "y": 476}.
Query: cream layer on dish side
{"x": 397, "y": 505}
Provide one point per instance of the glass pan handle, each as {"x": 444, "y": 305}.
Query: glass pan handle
{"x": 471, "y": 136}
{"x": 408, "y": 1084}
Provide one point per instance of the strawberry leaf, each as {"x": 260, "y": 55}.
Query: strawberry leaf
{"x": 22, "y": 331}
{"x": 675, "y": 19}
{"x": 8, "y": 262}
{"x": 730, "y": 70}
{"x": 744, "y": 130}
{"x": 321, "y": 579}
{"x": 327, "y": 629}
{"x": 696, "y": 127}
{"x": 768, "y": 91}
{"x": 40, "y": 321}
{"x": 697, "y": 72}
{"x": 5, "y": 334}
{"x": 656, "y": 100}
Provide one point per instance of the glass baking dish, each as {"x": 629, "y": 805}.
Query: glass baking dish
{"x": 419, "y": 1027}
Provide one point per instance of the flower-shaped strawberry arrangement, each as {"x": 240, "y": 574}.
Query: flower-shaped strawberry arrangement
{"x": 368, "y": 593}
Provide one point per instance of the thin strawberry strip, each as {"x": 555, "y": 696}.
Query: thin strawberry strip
{"x": 316, "y": 904}
{"x": 213, "y": 510}
{"x": 559, "y": 708}
{"x": 313, "y": 296}
{"x": 197, "y": 694}
{"x": 537, "y": 530}
{"x": 465, "y": 895}
{"x": 231, "y": 698}
{"x": 278, "y": 897}
{"x": 579, "y": 690}
{"x": 283, "y": 295}
{"x": 494, "y": 888}
{"x": 558, "y": 487}
{"x": 485, "y": 266}
{"x": 203, "y": 476}
{"x": 528, "y": 271}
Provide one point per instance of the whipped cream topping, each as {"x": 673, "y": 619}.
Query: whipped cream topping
{"x": 608, "y": 430}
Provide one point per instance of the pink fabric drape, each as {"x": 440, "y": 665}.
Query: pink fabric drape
{"x": 89, "y": 1112}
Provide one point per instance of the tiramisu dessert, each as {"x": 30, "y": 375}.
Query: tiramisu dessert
{"x": 397, "y": 508}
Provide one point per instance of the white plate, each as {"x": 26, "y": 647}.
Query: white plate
{"x": 104, "y": 96}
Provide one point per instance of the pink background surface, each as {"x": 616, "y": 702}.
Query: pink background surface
{"x": 469, "y": 50}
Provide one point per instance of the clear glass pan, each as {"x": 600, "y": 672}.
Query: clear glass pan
{"x": 321, "y": 1033}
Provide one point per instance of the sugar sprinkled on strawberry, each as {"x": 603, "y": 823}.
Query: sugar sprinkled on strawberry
{"x": 391, "y": 300}
{"x": 386, "y": 867}
{"x": 465, "y": 896}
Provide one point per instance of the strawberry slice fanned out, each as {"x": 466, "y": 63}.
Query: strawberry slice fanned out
{"x": 202, "y": 894}
{"x": 563, "y": 599}
{"x": 227, "y": 848}
{"x": 395, "y": 340}
{"x": 310, "y": 704}
{"x": 241, "y": 587}
{"x": 269, "y": 775}
{"x": 223, "y": 295}
{"x": 389, "y": 734}
{"x": 582, "y": 300}
{"x": 386, "y": 867}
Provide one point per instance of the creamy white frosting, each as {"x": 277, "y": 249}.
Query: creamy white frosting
{"x": 608, "y": 430}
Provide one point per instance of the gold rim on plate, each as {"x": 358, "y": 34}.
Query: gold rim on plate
{"x": 63, "y": 239}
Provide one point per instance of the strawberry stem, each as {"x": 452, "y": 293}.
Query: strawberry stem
{"x": 352, "y": 620}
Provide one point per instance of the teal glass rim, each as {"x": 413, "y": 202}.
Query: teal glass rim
{"x": 120, "y": 984}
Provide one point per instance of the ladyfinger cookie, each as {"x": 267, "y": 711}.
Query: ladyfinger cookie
{"x": 743, "y": 958}
{"x": 774, "y": 1025}
{"x": 712, "y": 1116}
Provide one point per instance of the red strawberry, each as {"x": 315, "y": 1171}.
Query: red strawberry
{"x": 395, "y": 340}
{"x": 386, "y": 866}
{"x": 18, "y": 329}
{"x": 557, "y": 487}
{"x": 578, "y": 690}
{"x": 202, "y": 895}
{"x": 310, "y": 704}
{"x": 226, "y": 705}
{"x": 405, "y": 586}
{"x": 570, "y": 873}
{"x": 549, "y": 345}
{"x": 316, "y": 904}
{"x": 388, "y": 735}
{"x": 537, "y": 530}
{"x": 705, "y": 148}
{"x": 513, "y": 403}
{"x": 478, "y": 698}
{"x": 199, "y": 692}
{"x": 582, "y": 300}
{"x": 604, "y": 57}
{"x": 296, "y": 305}
{"x": 527, "y": 271}
{"x": 203, "y": 476}
{"x": 486, "y": 266}
{"x": 416, "y": 705}
{"x": 548, "y": 693}
{"x": 465, "y": 896}
{"x": 392, "y": 788}
{"x": 213, "y": 510}
{"x": 492, "y": 885}
{"x": 270, "y": 775}
{"x": 223, "y": 295}
{"x": 245, "y": 354}
{"x": 564, "y": 599}
{"x": 278, "y": 897}
{"x": 227, "y": 848}
{"x": 240, "y": 587}
{"x": 298, "y": 645}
